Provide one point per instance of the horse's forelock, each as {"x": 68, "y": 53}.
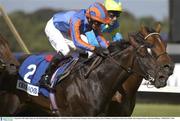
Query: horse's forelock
{"x": 150, "y": 30}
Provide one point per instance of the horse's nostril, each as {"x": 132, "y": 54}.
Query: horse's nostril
{"x": 166, "y": 66}
{"x": 161, "y": 78}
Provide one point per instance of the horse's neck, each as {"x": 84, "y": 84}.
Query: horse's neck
{"x": 96, "y": 90}
{"x": 113, "y": 72}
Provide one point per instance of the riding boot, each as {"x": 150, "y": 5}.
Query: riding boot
{"x": 45, "y": 80}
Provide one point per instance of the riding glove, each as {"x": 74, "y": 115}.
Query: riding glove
{"x": 103, "y": 52}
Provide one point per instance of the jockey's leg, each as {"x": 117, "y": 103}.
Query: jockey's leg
{"x": 59, "y": 43}
{"x": 56, "y": 38}
{"x": 84, "y": 38}
{"x": 45, "y": 80}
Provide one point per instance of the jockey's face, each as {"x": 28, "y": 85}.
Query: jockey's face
{"x": 114, "y": 15}
{"x": 94, "y": 24}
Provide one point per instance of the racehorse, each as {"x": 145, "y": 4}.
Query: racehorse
{"x": 8, "y": 65}
{"x": 7, "y": 61}
{"x": 78, "y": 95}
{"x": 123, "y": 102}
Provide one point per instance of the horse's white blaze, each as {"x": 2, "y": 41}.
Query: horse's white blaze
{"x": 149, "y": 51}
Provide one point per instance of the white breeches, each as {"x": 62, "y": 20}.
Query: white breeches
{"x": 57, "y": 40}
{"x": 85, "y": 39}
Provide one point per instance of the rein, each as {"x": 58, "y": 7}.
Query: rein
{"x": 129, "y": 70}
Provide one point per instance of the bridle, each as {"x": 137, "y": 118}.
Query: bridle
{"x": 3, "y": 64}
{"x": 155, "y": 33}
{"x": 130, "y": 69}
{"x": 157, "y": 56}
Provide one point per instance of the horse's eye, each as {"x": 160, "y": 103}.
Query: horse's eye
{"x": 149, "y": 51}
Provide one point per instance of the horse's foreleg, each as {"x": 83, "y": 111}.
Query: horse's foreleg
{"x": 115, "y": 106}
{"x": 9, "y": 103}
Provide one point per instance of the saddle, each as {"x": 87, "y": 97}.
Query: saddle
{"x": 35, "y": 66}
{"x": 32, "y": 69}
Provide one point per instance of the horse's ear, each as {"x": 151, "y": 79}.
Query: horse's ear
{"x": 158, "y": 28}
{"x": 133, "y": 42}
{"x": 143, "y": 30}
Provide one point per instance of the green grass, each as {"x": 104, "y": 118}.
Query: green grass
{"x": 156, "y": 110}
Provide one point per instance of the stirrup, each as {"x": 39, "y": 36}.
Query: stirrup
{"x": 44, "y": 82}
{"x": 47, "y": 86}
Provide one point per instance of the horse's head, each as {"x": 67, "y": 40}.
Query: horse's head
{"x": 7, "y": 67}
{"x": 136, "y": 58}
{"x": 143, "y": 62}
{"x": 8, "y": 62}
{"x": 165, "y": 65}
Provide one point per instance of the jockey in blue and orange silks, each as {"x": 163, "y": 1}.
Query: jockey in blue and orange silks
{"x": 75, "y": 24}
{"x": 114, "y": 8}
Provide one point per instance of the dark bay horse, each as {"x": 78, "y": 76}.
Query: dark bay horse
{"x": 123, "y": 102}
{"x": 80, "y": 96}
{"x": 9, "y": 102}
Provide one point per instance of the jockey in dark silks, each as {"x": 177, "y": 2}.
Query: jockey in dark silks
{"x": 114, "y": 8}
{"x": 75, "y": 24}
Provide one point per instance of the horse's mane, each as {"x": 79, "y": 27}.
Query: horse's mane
{"x": 114, "y": 47}
{"x": 139, "y": 37}
{"x": 123, "y": 44}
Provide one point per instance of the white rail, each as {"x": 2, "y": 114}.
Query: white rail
{"x": 173, "y": 84}
{"x": 14, "y": 31}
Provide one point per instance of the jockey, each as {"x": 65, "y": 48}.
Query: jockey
{"x": 114, "y": 8}
{"x": 75, "y": 24}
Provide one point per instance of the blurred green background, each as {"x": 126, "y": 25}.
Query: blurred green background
{"x": 31, "y": 28}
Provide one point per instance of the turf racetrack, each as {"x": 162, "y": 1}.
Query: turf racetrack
{"x": 156, "y": 110}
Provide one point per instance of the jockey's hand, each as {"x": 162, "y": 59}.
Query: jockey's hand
{"x": 103, "y": 52}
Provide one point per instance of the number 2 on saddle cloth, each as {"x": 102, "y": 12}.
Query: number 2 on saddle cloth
{"x": 32, "y": 69}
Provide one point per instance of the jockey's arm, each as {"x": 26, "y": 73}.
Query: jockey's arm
{"x": 116, "y": 35}
{"x": 101, "y": 40}
{"x": 75, "y": 34}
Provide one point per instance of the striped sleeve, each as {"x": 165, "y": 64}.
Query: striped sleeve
{"x": 102, "y": 40}
{"x": 75, "y": 34}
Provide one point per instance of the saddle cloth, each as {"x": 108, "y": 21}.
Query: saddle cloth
{"x": 31, "y": 71}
